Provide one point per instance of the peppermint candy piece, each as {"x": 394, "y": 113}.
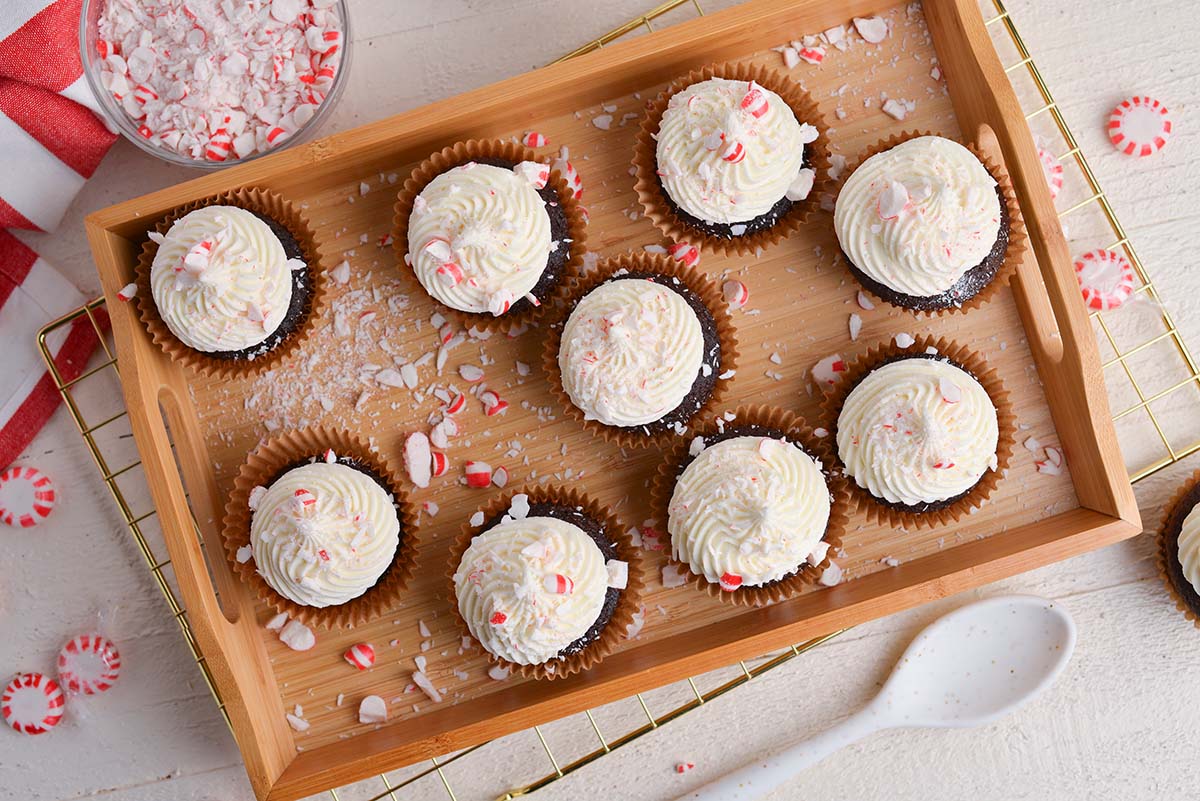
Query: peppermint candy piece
{"x": 372, "y": 709}
{"x": 32, "y": 703}
{"x": 361, "y": 656}
{"x": 1139, "y": 126}
{"x": 735, "y": 292}
{"x": 684, "y": 252}
{"x": 417, "y": 459}
{"x": 479, "y": 474}
{"x": 1053, "y": 171}
{"x": 88, "y": 664}
{"x": 1105, "y": 279}
{"x": 533, "y": 171}
{"x": 26, "y": 496}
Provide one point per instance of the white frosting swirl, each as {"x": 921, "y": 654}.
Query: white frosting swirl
{"x": 697, "y": 156}
{"x": 903, "y": 437}
{"x": 942, "y": 215}
{"x": 503, "y": 578}
{"x": 630, "y": 352}
{"x": 331, "y": 550}
{"x": 221, "y": 280}
{"x": 1189, "y": 547}
{"x": 498, "y": 234}
{"x": 753, "y": 507}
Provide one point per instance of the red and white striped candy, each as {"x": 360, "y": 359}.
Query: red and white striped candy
{"x": 446, "y": 333}
{"x": 733, "y": 153}
{"x": 736, "y": 293}
{"x": 533, "y": 139}
{"x": 303, "y": 500}
{"x": 1053, "y": 171}
{"x": 533, "y": 171}
{"x": 813, "y": 55}
{"x": 362, "y": 655}
{"x": 1139, "y": 126}
{"x": 219, "y": 146}
{"x": 128, "y": 292}
{"x": 32, "y": 703}
{"x": 492, "y": 403}
{"x": 451, "y": 273}
{"x": 276, "y": 135}
{"x": 439, "y": 248}
{"x": 829, "y": 369}
{"x": 567, "y": 171}
{"x": 558, "y": 584}
{"x": 88, "y": 664}
{"x": 755, "y": 101}
{"x": 687, "y": 253}
{"x": 730, "y": 581}
{"x": 144, "y": 94}
{"x": 479, "y": 474}
{"x": 1105, "y": 279}
{"x": 438, "y": 464}
{"x": 26, "y": 496}
{"x": 500, "y": 302}
{"x": 456, "y": 404}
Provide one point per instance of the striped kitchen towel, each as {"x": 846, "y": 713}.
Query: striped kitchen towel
{"x": 50, "y": 143}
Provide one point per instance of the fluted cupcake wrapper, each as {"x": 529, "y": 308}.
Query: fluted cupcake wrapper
{"x": 793, "y": 428}
{"x": 1168, "y": 537}
{"x": 961, "y": 356}
{"x": 649, "y": 188}
{"x": 462, "y": 153}
{"x": 274, "y": 457}
{"x": 1018, "y": 235}
{"x": 622, "y": 618}
{"x": 268, "y": 204}
{"x": 698, "y": 282}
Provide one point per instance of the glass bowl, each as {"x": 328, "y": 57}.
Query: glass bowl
{"x": 128, "y": 127}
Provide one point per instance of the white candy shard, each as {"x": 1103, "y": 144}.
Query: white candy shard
{"x": 873, "y": 29}
{"x": 297, "y": 636}
{"x": 372, "y": 709}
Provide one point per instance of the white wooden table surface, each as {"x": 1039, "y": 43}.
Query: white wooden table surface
{"x": 1124, "y": 720}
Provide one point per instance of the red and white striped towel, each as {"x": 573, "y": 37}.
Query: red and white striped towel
{"x": 50, "y": 143}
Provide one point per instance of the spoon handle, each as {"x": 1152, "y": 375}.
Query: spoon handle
{"x": 759, "y": 777}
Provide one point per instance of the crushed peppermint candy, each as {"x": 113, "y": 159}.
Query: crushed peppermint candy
{"x": 219, "y": 81}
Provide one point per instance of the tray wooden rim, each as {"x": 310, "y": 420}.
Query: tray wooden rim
{"x": 1060, "y": 339}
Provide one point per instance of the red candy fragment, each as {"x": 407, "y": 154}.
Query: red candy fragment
{"x": 479, "y": 474}
{"x": 755, "y": 101}
{"x": 736, "y": 293}
{"x": 456, "y": 404}
{"x": 1105, "y": 279}
{"x": 32, "y": 703}
{"x": 730, "y": 581}
{"x": 361, "y": 656}
{"x": 439, "y": 464}
{"x": 687, "y": 253}
{"x": 1053, "y": 171}
{"x": 26, "y": 496}
{"x": 88, "y": 664}
{"x": 558, "y": 584}
{"x": 1139, "y": 126}
{"x": 533, "y": 139}
{"x": 498, "y": 619}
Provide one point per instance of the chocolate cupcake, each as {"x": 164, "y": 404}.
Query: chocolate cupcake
{"x": 1179, "y": 549}
{"x": 924, "y": 433}
{"x": 640, "y": 348}
{"x": 540, "y": 579}
{"x": 751, "y": 506}
{"x": 488, "y": 232}
{"x": 731, "y": 157}
{"x": 923, "y": 224}
{"x": 318, "y": 525}
{"x": 230, "y": 284}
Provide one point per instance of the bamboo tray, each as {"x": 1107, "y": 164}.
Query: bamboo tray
{"x": 1037, "y": 334}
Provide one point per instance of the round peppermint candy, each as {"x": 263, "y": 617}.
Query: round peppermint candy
{"x": 32, "y": 703}
{"x": 26, "y": 496}
{"x": 1105, "y": 279}
{"x": 1139, "y": 126}
{"x": 88, "y": 664}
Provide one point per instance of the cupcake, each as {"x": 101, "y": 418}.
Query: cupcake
{"x": 543, "y": 580}
{"x": 488, "y": 232}
{"x": 751, "y": 507}
{"x": 923, "y": 433}
{"x": 924, "y": 224}
{"x": 642, "y": 347}
{"x": 1179, "y": 549}
{"x": 730, "y": 157}
{"x": 324, "y": 535}
{"x": 228, "y": 282}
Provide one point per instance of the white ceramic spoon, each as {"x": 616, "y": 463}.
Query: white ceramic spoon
{"x": 969, "y": 668}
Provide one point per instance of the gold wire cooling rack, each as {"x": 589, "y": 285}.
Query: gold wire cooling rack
{"x": 1004, "y": 31}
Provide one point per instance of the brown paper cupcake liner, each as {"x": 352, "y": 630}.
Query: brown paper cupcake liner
{"x": 1177, "y": 509}
{"x": 628, "y": 605}
{"x": 645, "y": 162}
{"x": 875, "y": 510}
{"x": 268, "y": 204}
{"x": 473, "y": 150}
{"x": 263, "y": 466}
{"x": 796, "y": 430}
{"x": 1018, "y": 236}
{"x": 706, "y": 289}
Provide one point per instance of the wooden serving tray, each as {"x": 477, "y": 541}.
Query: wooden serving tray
{"x": 1037, "y": 334}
